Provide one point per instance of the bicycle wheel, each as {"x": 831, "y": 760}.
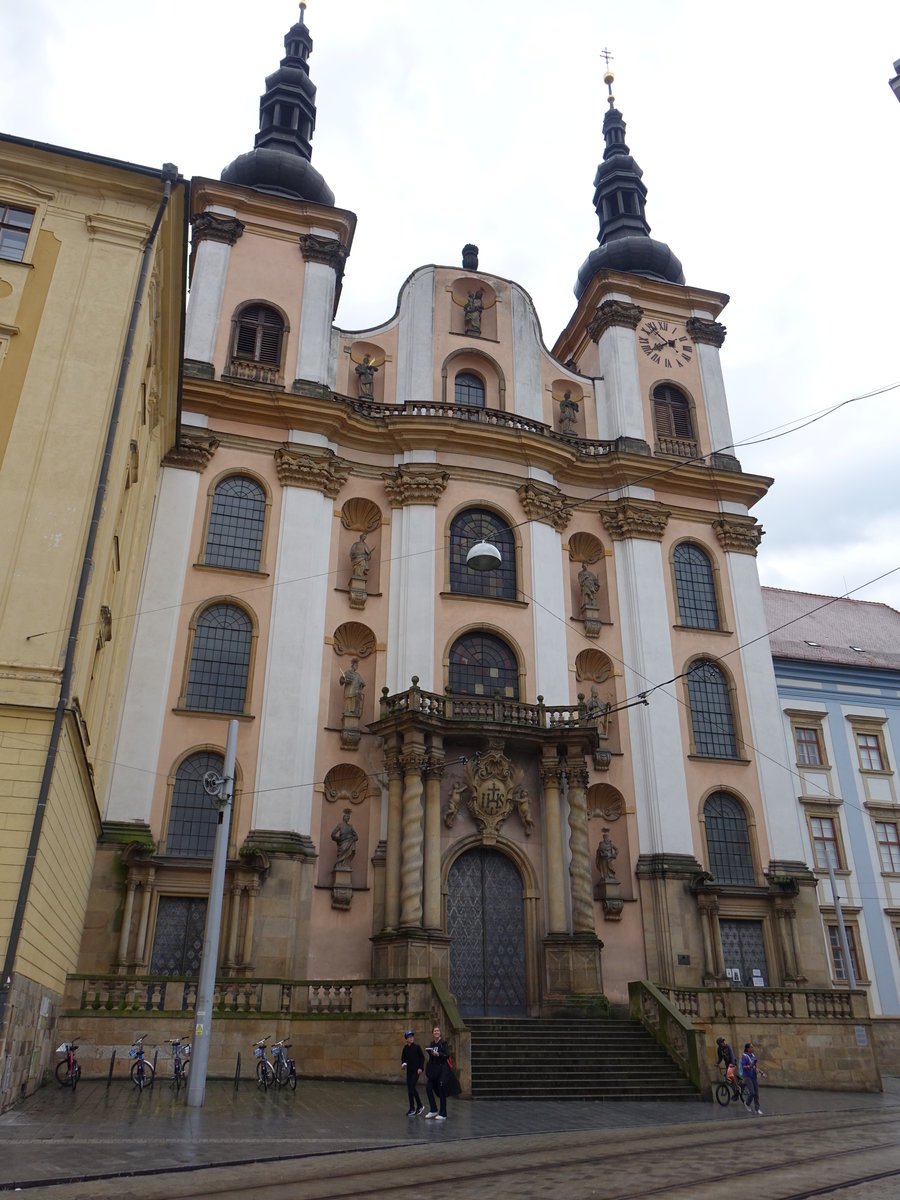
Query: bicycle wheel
{"x": 265, "y": 1076}
{"x": 292, "y": 1079}
{"x": 75, "y": 1075}
{"x": 723, "y": 1094}
{"x": 142, "y": 1075}
{"x": 62, "y": 1072}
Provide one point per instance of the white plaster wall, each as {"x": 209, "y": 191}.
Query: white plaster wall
{"x": 411, "y": 648}
{"x": 551, "y": 668}
{"x": 776, "y": 781}
{"x": 721, "y": 438}
{"x": 133, "y": 777}
{"x": 527, "y": 397}
{"x": 415, "y": 355}
{"x": 619, "y": 368}
{"x": 314, "y": 351}
{"x": 660, "y": 787}
{"x": 207, "y": 291}
{"x": 290, "y": 711}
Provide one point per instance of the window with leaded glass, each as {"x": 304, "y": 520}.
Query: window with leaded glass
{"x": 888, "y": 845}
{"x": 258, "y": 336}
{"x": 809, "y": 748}
{"x": 220, "y": 660}
{"x": 475, "y": 525}
{"x": 868, "y": 746}
{"x": 672, "y": 412}
{"x": 481, "y": 665}
{"x": 15, "y": 225}
{"x": 236, "y": 521}
{"x": 728, "y": 839}
{"x": 193, "y": 815}
{"x": 695, "y": 587}
{"x": 712, "y": 719}
{"x": 825, "y": 843}
{"x": 837, "y": 952}
{"x": 468, "y": 389}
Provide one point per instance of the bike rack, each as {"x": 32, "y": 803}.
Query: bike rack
{"x": 112, "y": 1063}
{"x": 237, "y": 1072}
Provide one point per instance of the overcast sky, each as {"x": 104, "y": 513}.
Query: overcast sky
{"x": 767, "y": 133}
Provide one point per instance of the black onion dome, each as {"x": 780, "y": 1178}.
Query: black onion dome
{"x": 619, "y": 198}
{"x": 280, "y": 161}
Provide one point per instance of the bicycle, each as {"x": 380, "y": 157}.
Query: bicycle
{"x": 68, "y": 1072}
{"x": 285, "y": 1068}
{"x": 141, "y": 1070}
{"x": 726, "y": 1092}
{"x": 180, "y": 1061}
{"x": 265, "y": 1071}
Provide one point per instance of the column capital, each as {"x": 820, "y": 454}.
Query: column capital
{"x": 210, "y": 227}
{"x": 191, "y": 453}
{"x": 330, "y": 251}
{"x": 708, "y": 333}
{"x": 545, "y": 503}
{"x": 614, "y": 312}
{"x": 413, "y": 760}
{"x": 739, "y": 534}
{"x": 635, "y": 519}
{"x": 322, "y": 471}
{"x": 549, "y": 772}
{"x": 415, "y": 483}
{"x": 434, "y": 768}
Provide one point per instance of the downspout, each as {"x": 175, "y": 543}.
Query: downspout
{"x": 169, "y": 176}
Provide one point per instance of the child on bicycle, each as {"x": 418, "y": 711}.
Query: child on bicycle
{"x": 725, "y": 1055}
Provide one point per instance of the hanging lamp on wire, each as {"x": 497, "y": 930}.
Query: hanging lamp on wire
{"x": 484, "y": 556}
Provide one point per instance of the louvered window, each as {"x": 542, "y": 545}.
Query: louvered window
{"x": 672, "y": 412}
{"x": 259, "y": 333}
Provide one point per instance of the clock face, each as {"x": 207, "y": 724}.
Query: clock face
{"x": 665, "y": 343}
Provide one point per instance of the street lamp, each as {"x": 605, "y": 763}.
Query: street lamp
{"x": 484, "y": 556}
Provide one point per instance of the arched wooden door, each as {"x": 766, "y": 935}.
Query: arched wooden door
{"x": 486, "y": 925}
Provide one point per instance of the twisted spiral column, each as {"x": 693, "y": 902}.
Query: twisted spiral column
{"x": 579, "y": 845}
{"x": 556, "y": 901}
{"x": 432, "y": 891}
{"x": 412, "y": 760}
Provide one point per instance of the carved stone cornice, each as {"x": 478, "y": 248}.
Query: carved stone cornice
{"x": 415, "y": 483}
{"x": 613, "y": 312}
{"x": 635, "y": 519}
{"x": 710, "y": 333}
{"x": 192, "y": 453}
{"x": 329, "y": 251}
{"x": 545, "y": 503}
{"x": 741, "y": 536}
{"x": 322, "y": 471}
{"x": 208, "y": 227}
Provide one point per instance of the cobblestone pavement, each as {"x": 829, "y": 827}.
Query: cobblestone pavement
{"x": 345, "y": 1139}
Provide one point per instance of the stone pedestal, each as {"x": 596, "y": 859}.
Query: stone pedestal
{"x": 572, "y": 966}
{"x": 410, "y": 954}
{"x": 609, "y": 893}
{"x": 592, "y": 622}
{"x": 341, "y": 888}
{"x": 358, "y": 593}
{"x": 349, "y": 732}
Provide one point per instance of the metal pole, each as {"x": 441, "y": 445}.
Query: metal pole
{"x": 223, "y": 788}
{"x": 842, "y": 932}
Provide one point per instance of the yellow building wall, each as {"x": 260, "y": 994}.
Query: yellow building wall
{"x": 24, "y": 737}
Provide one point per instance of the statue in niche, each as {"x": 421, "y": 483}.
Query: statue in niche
{"x": 607, "y": 854}
{"x": 523, "y": 808}
{"x": 365, "y": 374}
{"x": 474, "y": 307}
{"x": 353, "y": 684}
{"x": 453, "y": 804}
{"x": 568, "y": 414}
{"x": 590, "y": 586}
{"x": 346, "y": 837}
{"x": 360, "y": 554}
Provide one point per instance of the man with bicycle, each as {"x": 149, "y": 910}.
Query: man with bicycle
{"x": 725, "y": 1055}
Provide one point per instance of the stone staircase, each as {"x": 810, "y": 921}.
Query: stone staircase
{"x": 571, "y": 1058}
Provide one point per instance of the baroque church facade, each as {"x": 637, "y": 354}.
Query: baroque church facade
{"x": 487, "y": 613}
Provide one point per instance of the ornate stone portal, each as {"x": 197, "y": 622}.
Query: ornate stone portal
{"x": 495, "y": 789}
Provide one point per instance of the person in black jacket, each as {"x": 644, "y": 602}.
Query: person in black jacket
{"x": 412, "y": 1063}
{"x": 440, "y": 1081}
{"x": 725, "y": 1054}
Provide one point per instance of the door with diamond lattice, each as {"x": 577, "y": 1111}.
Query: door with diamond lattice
{"x": 178, "y": 941}
{"x": 486, "y": 926}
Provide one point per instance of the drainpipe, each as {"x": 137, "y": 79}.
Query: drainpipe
{"x": 169, "y": 176}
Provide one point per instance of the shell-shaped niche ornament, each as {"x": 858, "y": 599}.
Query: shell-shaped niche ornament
{"x": 346, "y": 784}
{"x": 585, "y": 548}
{"x": 593, "y": 665}
{"x": 360, "y": 514}
{"x": 354, "y": 638}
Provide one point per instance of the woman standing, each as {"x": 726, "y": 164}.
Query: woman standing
{"x": 440, "y": 1081}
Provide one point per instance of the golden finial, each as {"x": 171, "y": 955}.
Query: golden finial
{"x": 608, "y": 76}
{"x": 302, "y": 12}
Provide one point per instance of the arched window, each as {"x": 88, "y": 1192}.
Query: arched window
{"x": 236, "y": 521}
{"x": 674, "y": 425}
{"x": 712, "y": 719}
{"x": 695, "y": 587}
{"x": 258, "y": 335}
{"x": 468, "y": 389}
{"x": 193, "y": 815}
{"x": 728, "y": 839}
{"x": 475, "y": 525}
{"x": 482, "y": 664}
{"x": 220, "y": 660}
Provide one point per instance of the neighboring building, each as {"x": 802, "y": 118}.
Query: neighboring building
{"x": 512, "y": 799}
{"x": 88, "y": 405}
{"x": 837, "y": 665}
